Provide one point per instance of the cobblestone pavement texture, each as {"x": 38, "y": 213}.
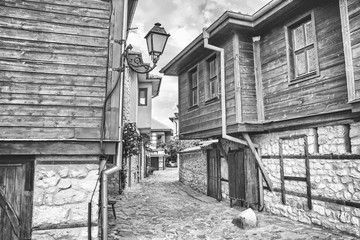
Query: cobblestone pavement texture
{"x": 161, "y": 207}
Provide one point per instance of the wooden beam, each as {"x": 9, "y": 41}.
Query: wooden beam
{"x": 350, "y": 79}
{"x": 221, "y": 149}
{"x": 261, "y": 190}
{"x": 307, "y": 166}
{"x": 237, "y": 79}
{"x": 258, "y": 79}
{"x": 258, "y": 160}
{"x": 282, "y": 177}
{"x": 55, "y": 148}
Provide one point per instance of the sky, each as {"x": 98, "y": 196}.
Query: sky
{"x": 184, "y": 20}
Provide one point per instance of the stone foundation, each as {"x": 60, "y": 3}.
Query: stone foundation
{"x": 193, "y": 170}
{"x": 334, "y": 174}
{"x": 332, "y": 180}
{"x": 61, "y": 196}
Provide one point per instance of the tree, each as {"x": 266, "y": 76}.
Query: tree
{"x": 174, "y": 146}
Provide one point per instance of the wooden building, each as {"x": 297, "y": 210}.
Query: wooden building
{"x": 58, "y": 62}
{"x": 288, "y": 81}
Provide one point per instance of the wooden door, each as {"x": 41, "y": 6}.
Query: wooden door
{"x": 243, "y": 180}
{"x": 155, "y": 163}
{"x": 16, "y": 191}
{"x": 214, "y": 176}
{"x": 236, "y": 174}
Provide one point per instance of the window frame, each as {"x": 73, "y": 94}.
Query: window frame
{"x": 145, "y": 90}
{"x": 290, "y": 51}
{"x": 210, "y": 96}
{"x": 193, "y": 88}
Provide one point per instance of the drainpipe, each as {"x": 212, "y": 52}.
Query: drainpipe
{"x": 224, "y": 135}
{"x": 118, "y": 162}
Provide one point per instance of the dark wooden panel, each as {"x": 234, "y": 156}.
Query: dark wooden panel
{"x": 52, "y": 47}
{"x": 56, "y": 148}
{"x": 52, "y": 122}
{"x": 73, "y": 9}
{"x": 69, "y": 59}
{"x": 36, "y": 133}
{"x": 29, "y": 35}
{"x": 8, "y": 77}
{"x": 58, "y": 90}
{"x": 42, "y": 67}
{"x": 37, "y": 99}
{"x": 45, "y": 27}
{"x": 29, "y": 14}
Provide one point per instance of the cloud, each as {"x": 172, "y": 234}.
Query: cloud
{"x": 184, "y": 20}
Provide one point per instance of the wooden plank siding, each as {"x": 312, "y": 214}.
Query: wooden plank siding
{"x": 354, "y": 22}
{"x": 53, "y": 63}
{"x": 206, "y": 117}
{"x": 247, "y": 78}
{"x": 321, "y": 94}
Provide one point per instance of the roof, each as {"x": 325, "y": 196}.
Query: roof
{"x": 233, "y": 20}
{"x": 203, "y": 146}
{"x": 158, "y": 126}
{"x": 174, "y": 118}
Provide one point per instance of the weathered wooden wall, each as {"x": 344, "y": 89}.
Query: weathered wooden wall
{"x": 323, "y": 94}
{"x": 245, "y": 60}
{"x": 53, "y": 57}
{"x": 354, "y": 20}
{"x": 207, "y": 116}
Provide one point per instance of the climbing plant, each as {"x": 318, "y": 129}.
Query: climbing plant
{"x": 132, "y": 141}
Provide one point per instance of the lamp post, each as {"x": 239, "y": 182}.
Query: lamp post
{"x": 156, "y": 40}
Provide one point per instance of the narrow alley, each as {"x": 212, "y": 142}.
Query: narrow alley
{"x": 160, "y": 207}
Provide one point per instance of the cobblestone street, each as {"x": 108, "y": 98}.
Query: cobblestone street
{"x": 162, "y": 208}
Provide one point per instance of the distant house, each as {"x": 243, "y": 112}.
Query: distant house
{"x": 159, "y": 136}
{"x": 58, "y": 64}
{"x": 139, "y": 91}
{"x": 280, "y": 91}
{"x": 175, "y": 121}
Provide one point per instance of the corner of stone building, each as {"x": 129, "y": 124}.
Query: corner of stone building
{"x": 61, "y": 196}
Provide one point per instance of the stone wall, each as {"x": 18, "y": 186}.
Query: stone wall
{"x": 61, "y": 196}
{"x": 193, "y": 170}
{"x": 133, "y": 173}
{"x": 127, "y": 96}
{"x": 332, "y": 180}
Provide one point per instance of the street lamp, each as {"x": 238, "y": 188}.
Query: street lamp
{"x": 156, "y": 40}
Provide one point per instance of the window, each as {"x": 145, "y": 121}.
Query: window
{"x": 302, "y": 48}
{"x": 212, "y": 87}
{"x": 193, "y": 87}
{"x": 142, "y": 96}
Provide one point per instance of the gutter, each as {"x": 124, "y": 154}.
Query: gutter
{"x": 224, "y": 135}
{"x": 118, "y": 162}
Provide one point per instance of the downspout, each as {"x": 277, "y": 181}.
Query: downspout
{"x": 118, "y": 162}
{"x": 224, "y": 135}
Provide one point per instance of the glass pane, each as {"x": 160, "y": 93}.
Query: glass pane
{"x": 158, "y": 42}
{"x": 309, "y": 33}
{"x": 195, "y": 96}
{"x": 194, "y": 79}
{"x": 311, "y": 60}
{"x": 300, "y": 64}
{"x": 212, "y": 67}
{"x": 299, "y": 41}
{"x": 142, "y": 97}
{"x": 213, "y": 87}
